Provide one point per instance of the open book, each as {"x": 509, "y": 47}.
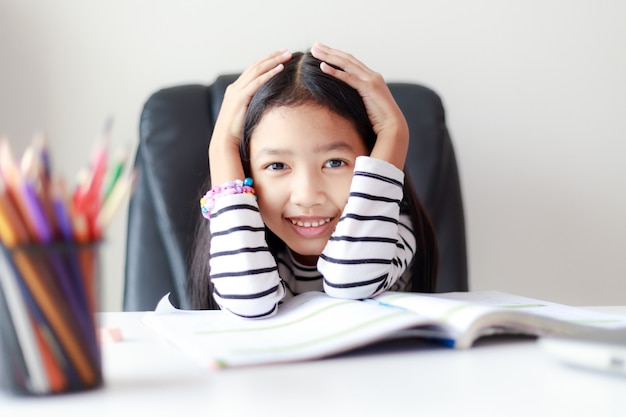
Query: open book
{"x": 313, "y": 325}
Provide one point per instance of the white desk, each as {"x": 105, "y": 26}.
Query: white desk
{"x": 146, "y": 377}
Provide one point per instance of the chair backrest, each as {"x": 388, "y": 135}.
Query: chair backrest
{"x": 171, "y": 159}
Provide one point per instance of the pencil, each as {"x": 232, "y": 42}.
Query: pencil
{"x": 35, "y": 276}
{"x": 40, "y": 144}
{"x": 57, "y": 379}
{"x": 52, "y": 294}
{"x": 54, "y": 275}
{"x": 11, "y": 177}
{"x": 60, "y": 203}
{"x": 115, "y": 172}
{"x": 52, "y": 311}
{"x": 75, "y": 287}
{"x": 66, "y": 226}
{"x": 88, "y": 196}
{"x": 122, "y": 189}
{"x": 37, "y": 182}
{"x": 21, "y": 322}
{"x": 12, "y": 229}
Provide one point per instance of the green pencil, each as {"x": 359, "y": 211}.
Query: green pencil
{"x": 115, "y": 171}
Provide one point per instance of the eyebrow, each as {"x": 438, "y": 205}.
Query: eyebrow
{"x": 334, "y": 146}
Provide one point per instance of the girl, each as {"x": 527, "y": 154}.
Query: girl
{"x": 325, "y": 204}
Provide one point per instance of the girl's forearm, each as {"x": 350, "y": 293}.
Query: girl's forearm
{"x": 392, "y": 147}
{"x": 224, "y": 163}
{"x": 381, "y": 245}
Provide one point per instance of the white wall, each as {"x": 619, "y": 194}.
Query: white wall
{"x": 534, "y": 90}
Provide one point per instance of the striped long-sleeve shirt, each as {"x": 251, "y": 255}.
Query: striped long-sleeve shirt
{"x": 368, "y": 253}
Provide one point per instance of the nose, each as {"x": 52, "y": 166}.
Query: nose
{"x": 308, "y": 190}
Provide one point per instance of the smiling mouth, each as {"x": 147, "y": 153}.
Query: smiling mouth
{"x": 313, "y": 223}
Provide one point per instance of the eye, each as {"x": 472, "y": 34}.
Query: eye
{"x": 334, "y": 163}
{"x": 276, "y": 166}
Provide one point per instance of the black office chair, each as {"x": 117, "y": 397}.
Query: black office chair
{"x": 175, "y": 128}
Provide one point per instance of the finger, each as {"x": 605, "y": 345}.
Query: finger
{"x": 345, "y": 61}
{"x": 270, "y": 61}
{"x": 357, "y": 80}
{"x": 263, "y": 78}
{"x": 265, "y": 65}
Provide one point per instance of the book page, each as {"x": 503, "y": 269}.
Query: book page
{"x": 561, "y": 312}
{"x": 308, "y": 326}
{"x": 475, "y": 314}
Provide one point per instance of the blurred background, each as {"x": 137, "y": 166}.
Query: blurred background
{"x": 534, "y": 90}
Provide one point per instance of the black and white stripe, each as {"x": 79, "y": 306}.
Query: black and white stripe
{"x": 368, "y": 253}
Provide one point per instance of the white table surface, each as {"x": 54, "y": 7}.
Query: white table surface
{"x": 145, "y": 376}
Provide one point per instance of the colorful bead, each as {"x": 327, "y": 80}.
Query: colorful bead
{"x": 207, "y": 202}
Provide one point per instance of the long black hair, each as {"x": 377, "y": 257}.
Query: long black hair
{"x": 303, "y": 82}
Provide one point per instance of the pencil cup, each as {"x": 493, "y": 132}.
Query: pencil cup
{"x": 48, "y": 333}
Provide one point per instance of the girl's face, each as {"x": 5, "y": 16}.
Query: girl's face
{"x": 302, "y": 161}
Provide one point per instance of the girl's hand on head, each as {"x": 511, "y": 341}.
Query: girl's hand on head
{"x": 224, "y": 160}
{"x": 387, "y": 120}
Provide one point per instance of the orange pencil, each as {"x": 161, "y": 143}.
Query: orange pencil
{"x": 51, "y": 310}
{"x": 24, "y": 196}
{"x": 56, "y": 377}
{"x": 12, "y": 229}
{"x": 13, "y": 232}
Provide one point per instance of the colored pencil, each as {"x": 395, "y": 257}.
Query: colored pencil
{"x": 50, "y": 241}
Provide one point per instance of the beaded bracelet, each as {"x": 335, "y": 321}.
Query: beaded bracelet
{"x": 207, "y": 202}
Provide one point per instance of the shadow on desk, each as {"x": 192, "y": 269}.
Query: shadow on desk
{"x": 420, "y": 344}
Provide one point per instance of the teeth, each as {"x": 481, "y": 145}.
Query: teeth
{"x": 310, "y": 224}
